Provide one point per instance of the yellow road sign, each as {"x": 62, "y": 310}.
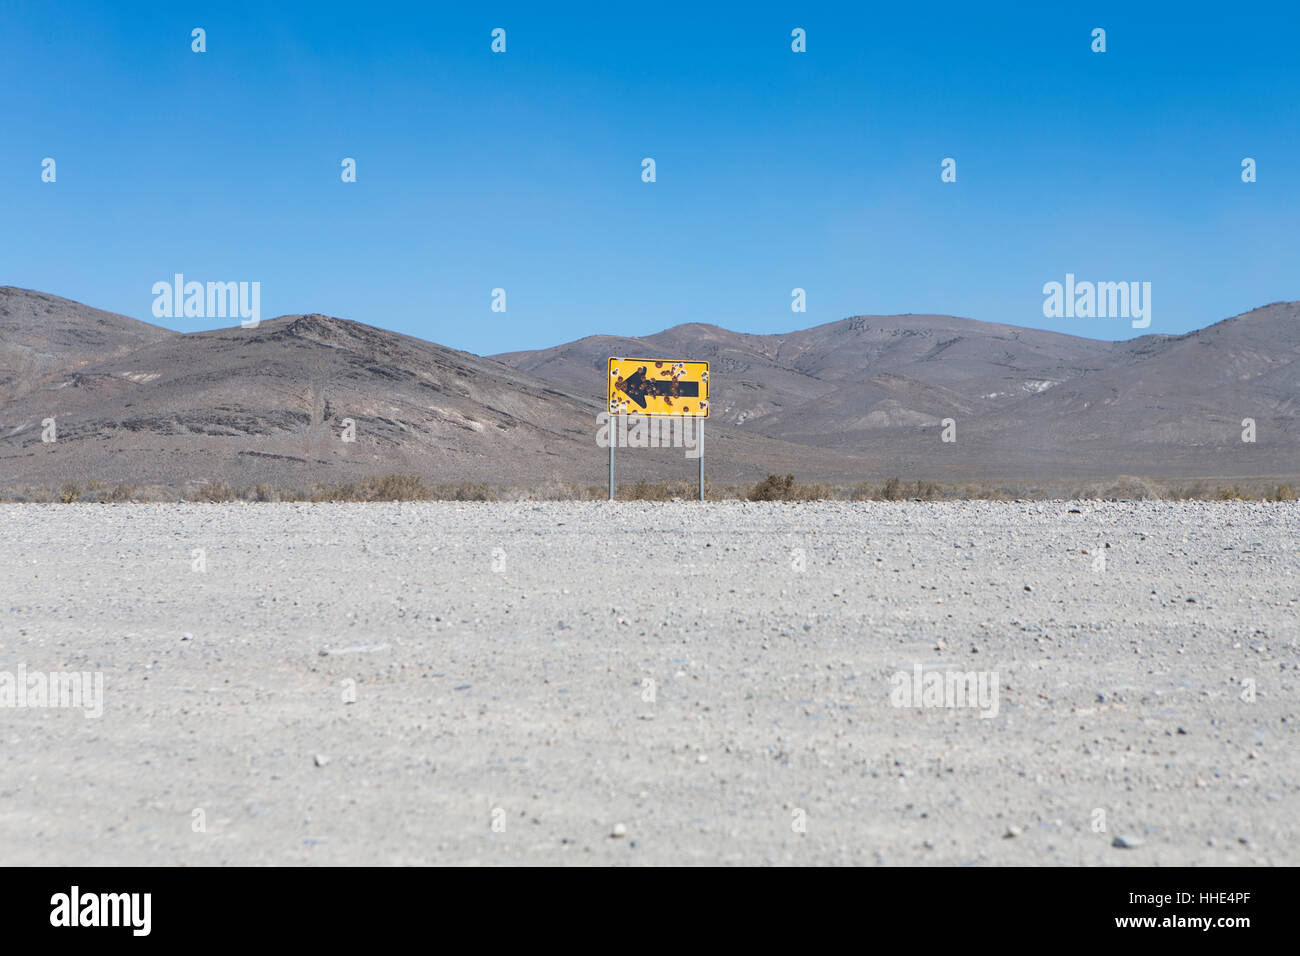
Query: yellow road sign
{"x": 658, "y": 387}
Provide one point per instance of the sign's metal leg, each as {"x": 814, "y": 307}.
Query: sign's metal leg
{"x": 613, "y": 439}
{"x": 700, "y": 438}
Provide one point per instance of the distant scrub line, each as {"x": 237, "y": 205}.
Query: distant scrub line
{"x": 772, "y": 488}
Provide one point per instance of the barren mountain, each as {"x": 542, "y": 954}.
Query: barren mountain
{"x": 860, "y": 399}
{"x": 858, "y": 372}
{"x": 43, "y": 336}
{"x": 1022, "y": 402}
{"x": 1175, "y": 404}
{"x": 272, "y": 405}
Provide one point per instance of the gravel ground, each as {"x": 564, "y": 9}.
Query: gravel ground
{"x": 653, "y": 683}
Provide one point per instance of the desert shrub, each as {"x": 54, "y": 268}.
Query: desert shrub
{"x": 387, "y": 488}
{"x": 817, "y": 491}
{"x": 395, "y": 488}
{"x": 344, "y": 492}
{"x": 216, "y": 491}
{"x": 69, "y": 493}
{"x": 464, "y": 491}
{"x": 1228, "y": 493}
{"x": 1283, "y": 493}
{"x": 122, "y": 493}
{"x": 659, "y": 491}
{"x": 926, "y": 490}
{"x": 551, "y": 490}
{"x": 773, "y": 488}
{"x": 648, "y": 491}
{"x": 1198, "y": 491}
{"x": 893, "y": 490}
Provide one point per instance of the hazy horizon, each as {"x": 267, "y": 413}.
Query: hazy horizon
{"x": 178, "y": 326}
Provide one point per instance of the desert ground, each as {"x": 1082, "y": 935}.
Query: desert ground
{"x": 653, "y": 683}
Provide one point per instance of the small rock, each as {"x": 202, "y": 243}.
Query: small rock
{"x": 1029, "y": 587}
{"x": 619, "y": 831}
{"x": 1012, "y": 833}
{"x": 322, "y": 760}
{"x": 1126, "y": 842}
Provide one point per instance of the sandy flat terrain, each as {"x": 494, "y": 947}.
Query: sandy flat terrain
{"x": 510, "y": 683}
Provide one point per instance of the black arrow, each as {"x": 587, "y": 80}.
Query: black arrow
{"x": 637, "y": 387}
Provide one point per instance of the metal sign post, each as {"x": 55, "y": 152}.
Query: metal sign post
{"x": 657, "y": 388}
{"x": 613, "y": 440}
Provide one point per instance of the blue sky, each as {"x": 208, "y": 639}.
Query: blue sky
{"x": 775, "y": 170}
